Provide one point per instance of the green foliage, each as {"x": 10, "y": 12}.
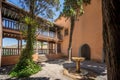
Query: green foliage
{"x": 44, "y": 8}
{"x": 74, "y": 7}
{"x": 87, "y": 1}
{"x": 29, "y": 21}
{"x": 25, "y": 68}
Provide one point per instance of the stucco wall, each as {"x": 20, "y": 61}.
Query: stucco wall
{"x": 66, "y": 24}
{"x": 88, "y": 30}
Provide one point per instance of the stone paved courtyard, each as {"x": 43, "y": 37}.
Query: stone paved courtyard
{"x": 53, "y": 70}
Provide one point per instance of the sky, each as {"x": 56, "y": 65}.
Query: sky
{"x": 17, "y": 3}
{"x": 10, "y": 41}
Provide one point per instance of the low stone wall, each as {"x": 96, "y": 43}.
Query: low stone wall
{"x": 54, "y": 56}
{"x": 46, "y": 57}
{"x": 10, "y": 60}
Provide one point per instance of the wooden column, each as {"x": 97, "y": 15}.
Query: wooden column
{"x": 18, "y": 46}
{"x": 0, "y": 31}
{"x": 56, "y": 48}
{"x": 48, "y": 40}
{"x": 37, "y": 47}
{"x": 56, "y": 41}
{"x": 42, "y": 46}
{"x": 56, "y": 34}
{"x": 48, "y": 46}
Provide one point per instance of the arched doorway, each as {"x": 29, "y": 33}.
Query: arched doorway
{"x": 84, "y": 51}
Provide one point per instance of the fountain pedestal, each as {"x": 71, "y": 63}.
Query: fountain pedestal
{"x": 78, "y": 60}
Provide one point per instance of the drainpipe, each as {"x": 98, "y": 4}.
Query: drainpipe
{"x": 0, "y": 31}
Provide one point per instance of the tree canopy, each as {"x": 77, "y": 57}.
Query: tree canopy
{"x": 74, "y": 7}
{"x": 45, "y": 8}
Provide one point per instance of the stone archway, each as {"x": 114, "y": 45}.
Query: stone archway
{"x": 84, "y": 51}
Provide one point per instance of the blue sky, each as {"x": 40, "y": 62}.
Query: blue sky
{"x": 9, "y": 41}
{"x": 17, "y": 3}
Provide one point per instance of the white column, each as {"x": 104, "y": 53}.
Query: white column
{"x": 0, "y": 31}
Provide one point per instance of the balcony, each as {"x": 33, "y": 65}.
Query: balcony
{"x": 11, "y": 28}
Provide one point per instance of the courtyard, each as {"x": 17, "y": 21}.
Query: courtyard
{"x": 39, "y": 40}
{"x": 53, "y": 70}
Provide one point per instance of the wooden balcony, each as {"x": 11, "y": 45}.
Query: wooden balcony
{"x": 13, "y": 29}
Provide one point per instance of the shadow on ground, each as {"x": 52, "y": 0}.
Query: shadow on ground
{"x": 98, "y": 68}
{"x": 30, "y": 78}
{"x": 5, "y": 69}
{"x": 56, "y": 61}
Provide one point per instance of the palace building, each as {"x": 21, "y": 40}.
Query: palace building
{"x": 52, "y": 42}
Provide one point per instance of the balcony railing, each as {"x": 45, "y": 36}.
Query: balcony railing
{"x": 15, "y": 25}
{"x": 10, "y": 51}
{"x": 46, "y": 51}
{"x": 15, "y": 52}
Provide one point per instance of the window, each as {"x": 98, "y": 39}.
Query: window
{"x": 66, "y": 32}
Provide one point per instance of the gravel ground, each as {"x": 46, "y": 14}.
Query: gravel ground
{"x": 53, "y": 70}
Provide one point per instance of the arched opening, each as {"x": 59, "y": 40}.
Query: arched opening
{"x": 84, "y": 51}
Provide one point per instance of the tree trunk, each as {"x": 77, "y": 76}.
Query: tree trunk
{"x": 30, "y": 43}
{"x": 29, "y": 50}
{"x": 0, "y": 31}
{"x": 72, "y": 20}
{"x": 111, "y": 37}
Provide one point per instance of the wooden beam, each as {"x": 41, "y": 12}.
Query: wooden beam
{"x": 0, "y": 31}
{"x": 12, "y": 31}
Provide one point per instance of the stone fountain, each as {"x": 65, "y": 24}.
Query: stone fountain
{"x": 75, "y": 72}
